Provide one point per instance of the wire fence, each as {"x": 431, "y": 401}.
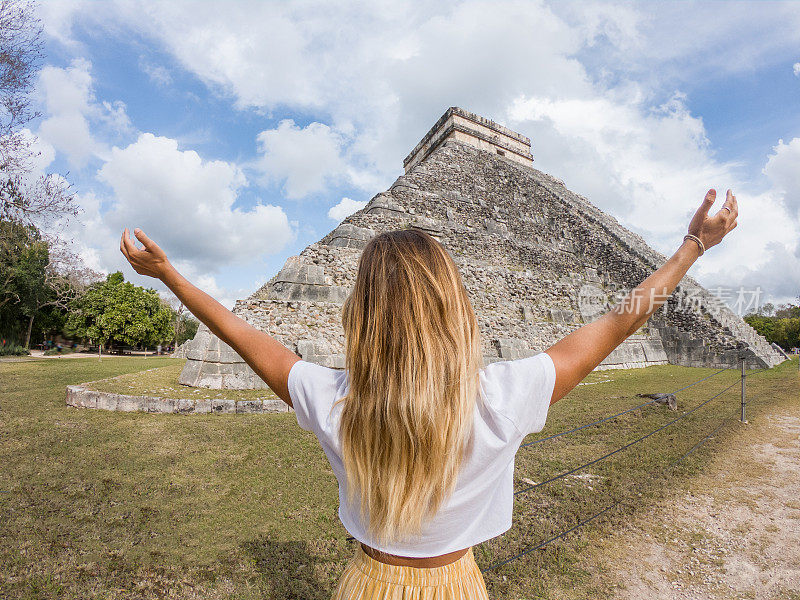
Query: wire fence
{"x": 625, "y": 447}
{"x": 581, "y": 523}
{"x": 619, "y": 414}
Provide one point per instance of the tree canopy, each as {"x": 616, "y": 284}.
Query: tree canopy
{"x": 39, "y": 278}
{"x": 115, "y": 310}
{"x": 780, "y": 325}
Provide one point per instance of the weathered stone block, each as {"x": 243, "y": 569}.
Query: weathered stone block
{"x": 275, "y": 405}
{"x": 496, "y": 228}
{"x": 654, "y": 351}
{"x": 296, "y": 270}
{"x": 308, "y": 293}
{"x": 382, "y": 204}
{"x": 562, "y": 315}
{"x": 223, "y": 406}
{"x": 184, "y": 406}
{"x": 242, "y": 378}
{"x": 190, "y": 372}
{"x": 80, "y": 397}
{"x": 248, "y": 406}
{"x": 512, "y": 349}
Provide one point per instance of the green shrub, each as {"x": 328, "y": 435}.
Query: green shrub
{"x": 13, "y": 350}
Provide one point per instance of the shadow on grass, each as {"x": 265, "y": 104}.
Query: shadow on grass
{"x": 292, "y": 569}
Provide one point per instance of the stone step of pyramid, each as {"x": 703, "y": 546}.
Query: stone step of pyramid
{"x": 538, "y": 261}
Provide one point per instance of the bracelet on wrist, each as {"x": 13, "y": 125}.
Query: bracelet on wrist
{"x": 696, "y": 239}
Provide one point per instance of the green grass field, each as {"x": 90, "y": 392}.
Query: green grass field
{"x": 162, "y": 382}
{"x": 99, "y": 504}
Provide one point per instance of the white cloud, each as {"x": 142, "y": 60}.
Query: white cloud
{"x": 649, "y": 167}
{"x": 764, "y": 250}
{"x": 57, "y": 19}
{"x": 783, "y": 169}
{"x": 89, "y": 237}
{"x": 185, "y": 204}
{"x": 796, "y": 69}
{"x": 345, "y": 208}
{"x": 71, "y": 111}
{"x": 672, "y": 41}
{"x": 43, "y": 154}
{"x": 223, "y": 47}
{"x": 67, "y": 98}
{"x": 209, "y": 284}
{"x": 96, "y": 242}
{"x": 115, "y": 115}
{"x": 306, "y": 159}
{"x": 386, "y": 69}
{"x": 755, "y": 252}
{"x": 774, "y": 278}
{"x": 157, "y": 73}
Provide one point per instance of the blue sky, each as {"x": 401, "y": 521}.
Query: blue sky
{"x": 229, "y": 135}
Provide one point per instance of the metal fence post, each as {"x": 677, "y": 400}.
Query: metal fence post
{"x": 743, "y": 420}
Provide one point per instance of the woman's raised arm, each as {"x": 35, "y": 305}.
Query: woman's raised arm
{"x": 270, "y": 359}
{"x": 577, "y": 354}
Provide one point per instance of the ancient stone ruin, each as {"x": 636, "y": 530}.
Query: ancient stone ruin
{"x": 538, "y": 261}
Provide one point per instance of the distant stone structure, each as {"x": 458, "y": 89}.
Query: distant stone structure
{"x": 538, "y": 262}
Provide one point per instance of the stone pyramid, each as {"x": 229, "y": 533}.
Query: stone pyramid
{"x": 538, "y": 261}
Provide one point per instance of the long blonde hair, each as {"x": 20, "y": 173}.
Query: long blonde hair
{"x": 413, "y": 353}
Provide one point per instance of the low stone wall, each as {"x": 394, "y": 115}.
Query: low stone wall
{"x": 81, "y": 396}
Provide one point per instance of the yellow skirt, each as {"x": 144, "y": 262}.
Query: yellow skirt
{"x": 365, "y": 578}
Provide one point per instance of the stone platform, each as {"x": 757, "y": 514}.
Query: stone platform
{"x": 81, "y": 396}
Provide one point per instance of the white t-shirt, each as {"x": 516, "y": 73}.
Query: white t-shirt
{"x": 516, "y": 397}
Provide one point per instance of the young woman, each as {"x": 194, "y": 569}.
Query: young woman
{"x": 420, "y": 435}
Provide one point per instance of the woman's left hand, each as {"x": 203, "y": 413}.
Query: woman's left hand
{"x": 151, "y": 260}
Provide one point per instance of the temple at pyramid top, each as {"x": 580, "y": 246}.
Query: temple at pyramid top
{"x": 479, "y": 132}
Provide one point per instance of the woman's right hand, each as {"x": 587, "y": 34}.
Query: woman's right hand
{"x": 151, "y": 260}
{"x": 711, "y": 230}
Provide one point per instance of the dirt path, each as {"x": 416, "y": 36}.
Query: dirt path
{"x": 735, "y": 532}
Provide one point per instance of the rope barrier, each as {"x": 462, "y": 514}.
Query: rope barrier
{"x": 618, "y": 502}
{"x": 550, "y": 437}
{"x": 614, "y": 504}
{"x": 626, "y": 446}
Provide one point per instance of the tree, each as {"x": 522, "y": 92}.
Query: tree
{"x": 36, "y": 275}
{"x": 787, "y": 332}
{"x": 20, "y": 54}
{"x": 780, "y": 325}
{"x": 118, "y": 311}
{"x": 764, "y": 326}
{"x": 29, "y": 282}
{"x": 15, "y": 238}
{"x": 768, "y": 309}
{"x": 23, "y": 197}
{"x": 787, "y": 311}
{"x": 184, "y": 326}
{"x": 190, "y": 328}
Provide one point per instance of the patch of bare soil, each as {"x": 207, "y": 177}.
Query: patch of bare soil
{"x": 735, "y": 531}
